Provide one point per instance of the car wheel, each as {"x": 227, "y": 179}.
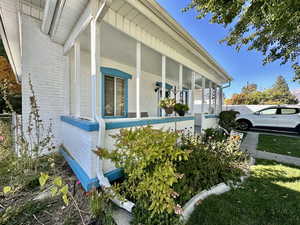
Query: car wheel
{"x": 244, "y": 125}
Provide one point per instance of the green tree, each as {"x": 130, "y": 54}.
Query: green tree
{"x": 278, "y": 94}
{"x": 269, "y": 26}
{"x": 249, "y": 88}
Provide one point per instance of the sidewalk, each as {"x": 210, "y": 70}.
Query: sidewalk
{"x": 250, "y": 144}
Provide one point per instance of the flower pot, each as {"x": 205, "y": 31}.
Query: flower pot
{"x": 169, "y": 110}
{"x": 181, "y": 112}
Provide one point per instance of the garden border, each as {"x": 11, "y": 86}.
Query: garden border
{"x": 218, "y": 189}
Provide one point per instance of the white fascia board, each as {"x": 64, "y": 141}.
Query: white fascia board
{"x": 49, "y": 11}
{"x": 84, "y": 21}
{"x": 161, "y": 18}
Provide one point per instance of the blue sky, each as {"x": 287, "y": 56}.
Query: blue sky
{"x": 244, "y": 66}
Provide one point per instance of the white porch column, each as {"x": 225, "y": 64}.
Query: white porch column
{"x": 163, "y": 79}
{"x": 138, "y": 77}
{"x": 203, "y": 96}
{"x": 220, "y": 99}
{"x": 193, "y": 92}
{"x": 93, "y": 26}
{"x": 210, "y": 95}
{"x": 180, "y": 81}
{"x": 77, "y": 77}
{"x": 215, "y": 98}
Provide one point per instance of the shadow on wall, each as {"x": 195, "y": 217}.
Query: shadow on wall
{"x": 246, "y": 109}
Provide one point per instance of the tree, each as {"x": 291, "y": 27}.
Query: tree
{"x": 269, "y": 26}
{"x": 278, "y": 94}
{"x": 249, "y": 88}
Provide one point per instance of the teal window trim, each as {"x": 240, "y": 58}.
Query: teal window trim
{"x": 106, "y": 71}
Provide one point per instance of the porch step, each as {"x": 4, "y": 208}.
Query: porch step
{"x": 121, "y": 216}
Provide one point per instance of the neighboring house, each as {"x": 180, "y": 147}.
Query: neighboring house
{"x": 99, "y": 66}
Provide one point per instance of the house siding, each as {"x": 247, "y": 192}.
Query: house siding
{"x": 43, "y": 60}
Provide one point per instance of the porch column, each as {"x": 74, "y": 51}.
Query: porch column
{"x": 77, "y": 77}
{"x": 220, "y": 99}
{"x": 180, "y": 82}
{"x": 138, "y": 77}
{"x": 215, "y": 98}
{"x": 163, "y": 79}
{"x": 193, "y": 93}
{"x": 210, "y": 95}
{"x": 93, "y": 27}
{"x": 203, "y": 95}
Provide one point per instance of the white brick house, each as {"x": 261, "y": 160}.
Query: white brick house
{"x": 101, "y": 65}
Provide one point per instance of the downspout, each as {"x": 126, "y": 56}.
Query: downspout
{"x": 103, "y": 181}
{"x": 227, "y": 85}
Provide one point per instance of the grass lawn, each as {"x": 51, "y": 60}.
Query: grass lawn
{"x": 271, "y": 196}
{"x": 279, "y": 144}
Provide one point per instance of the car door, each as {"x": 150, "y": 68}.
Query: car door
{"x": 288, "y": 117}
{"x": 266, "y": 118}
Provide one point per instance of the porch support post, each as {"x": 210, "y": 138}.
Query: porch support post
{"x": 138, "y": 77}
{"x": 215, "y": 98}
{"x": 193, "y": 92}
{"x": 77, "y": 77}
{"x": 203, "y": 95}
{"x": 93, "y": 27}
{"x": 210, "y": 95}
{"x": 163, "y": 80}
{"x": 180, "y": 81}
{"x": 220, "y": 99}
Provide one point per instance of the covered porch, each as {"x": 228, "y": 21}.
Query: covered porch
{"x": 121, "y": 65}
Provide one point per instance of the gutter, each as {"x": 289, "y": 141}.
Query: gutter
{"x": 227, "y": 85}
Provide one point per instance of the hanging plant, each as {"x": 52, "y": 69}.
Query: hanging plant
{"x": 168, "y": 105}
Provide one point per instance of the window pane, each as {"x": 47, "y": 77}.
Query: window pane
{"x": 269, "y": 112}
{"x": 120, "y": 90}
{"x": 288, "y": 111}
{"x": 109, "y": 96}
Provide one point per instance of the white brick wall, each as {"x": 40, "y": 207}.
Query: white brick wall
{"x": 44, "y": 61}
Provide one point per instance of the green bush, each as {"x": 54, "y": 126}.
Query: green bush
{"x": 142, "y": 216}
{"x": 148, "y": 157}
{"x": 215, "y": 134}
{"x": 210, "y": 162}
{"x": 227, "y": 119}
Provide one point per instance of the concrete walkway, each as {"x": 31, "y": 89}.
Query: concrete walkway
{"x": 250, "y": 145}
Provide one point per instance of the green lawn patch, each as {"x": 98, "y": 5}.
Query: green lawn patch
{"x": 279, "y": 144}
{"x": 270, "y": 196}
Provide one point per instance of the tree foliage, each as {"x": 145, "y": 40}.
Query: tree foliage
{"x": 278, "y": 94}
{"x": 269, "y": 26}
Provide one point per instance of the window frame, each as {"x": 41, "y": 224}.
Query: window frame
{"x": 296, "y": 109}
{"x": 276, "y": 113}
{"x": 115, "y": 73}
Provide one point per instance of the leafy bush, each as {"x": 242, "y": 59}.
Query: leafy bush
{"x": 210, "y": 162}
{"x": 143, "y": 216}
{"x": 227, "y": 120}
{"x": 148, "y": 157}
{"x": 215, "y": 134}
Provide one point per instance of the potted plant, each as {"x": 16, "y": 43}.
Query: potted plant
{"x": 168, "y": 105}
{"x": 181, "y": 109}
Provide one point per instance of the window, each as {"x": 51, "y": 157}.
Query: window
{"x": 114, "y": 96}
{"x": 268, "y": 111}
{"x": 289, "y": 111}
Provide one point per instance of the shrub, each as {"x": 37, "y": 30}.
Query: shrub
{"x": 227, "y": 120}
{"x": 210, "y": 162}
{"x": 215, "y": 134}
{"x": 148, "y": 157}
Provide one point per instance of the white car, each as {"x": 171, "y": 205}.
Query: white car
{"x": 277, "y": 118}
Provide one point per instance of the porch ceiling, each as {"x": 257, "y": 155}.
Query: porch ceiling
{"x": 121, "y": 48}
